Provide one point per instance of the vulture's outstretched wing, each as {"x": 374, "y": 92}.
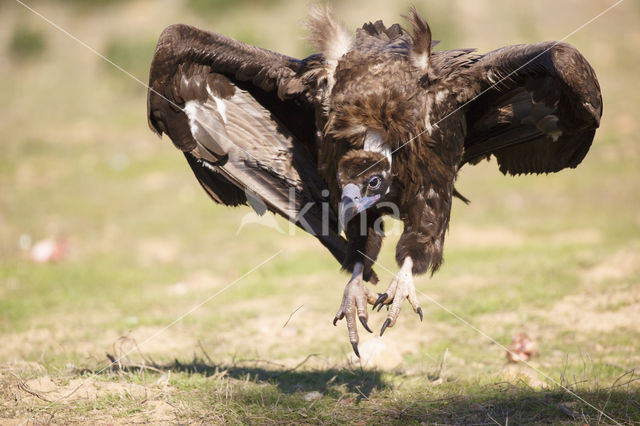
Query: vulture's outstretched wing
{"x": 237, "y": 114}
{"x": 541, "y": 118}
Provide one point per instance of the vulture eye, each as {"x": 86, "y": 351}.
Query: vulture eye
{"x": 374, "y": 182}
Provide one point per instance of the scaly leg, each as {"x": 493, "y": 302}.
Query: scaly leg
{"x": 401, "y": 288}
{"x": 354, "y": 302}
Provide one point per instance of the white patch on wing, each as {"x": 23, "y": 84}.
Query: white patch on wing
{"x": 492, "y": 77}
{"x": 184, "y": 81}
{"x": 209, "y": 166}
{"x": 191, "y": 109}
{"x": 204, "y": 120}
{"x": 374, "y": 141}
{"x": 222, "y": 108}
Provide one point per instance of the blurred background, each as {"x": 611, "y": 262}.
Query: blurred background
{"x": 105, "y": 233}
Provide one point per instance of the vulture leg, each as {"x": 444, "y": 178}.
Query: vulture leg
{"x": 401, "y": 288}
{"x": 354, "y": 303}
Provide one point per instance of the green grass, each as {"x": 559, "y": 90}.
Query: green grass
{"x": 557, "y": 257}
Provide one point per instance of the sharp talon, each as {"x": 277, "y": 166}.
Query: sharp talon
{"x": 355, "y": 348}
{"x": 420, "y": 313}
{"x": 381, "y": 298}
{"x": 384, "y": 326}
{"x": 335, "y": 320}
{"x": 363, "y": 320}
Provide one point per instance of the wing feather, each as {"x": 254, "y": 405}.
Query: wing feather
{"x": 228, "y": 106}
{"x": 534, "y": 107}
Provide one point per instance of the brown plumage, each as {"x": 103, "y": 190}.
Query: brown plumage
{"x": 379, "y": 120}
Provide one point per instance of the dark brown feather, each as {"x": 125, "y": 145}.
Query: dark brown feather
{"x": 231, "y": 108}
{"x": 548, "y": 91}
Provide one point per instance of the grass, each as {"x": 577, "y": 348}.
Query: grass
{"x": 200, "y": 391}
{"x": 554, "y": 256}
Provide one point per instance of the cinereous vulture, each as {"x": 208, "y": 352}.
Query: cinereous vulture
{"x": 376, "y": 123}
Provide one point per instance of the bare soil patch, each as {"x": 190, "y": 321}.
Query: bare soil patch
{"x": 599, "y": 312}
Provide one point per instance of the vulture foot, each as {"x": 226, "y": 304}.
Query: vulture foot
{"x": 354, "y": 304}
{"x": 401, "y": 288}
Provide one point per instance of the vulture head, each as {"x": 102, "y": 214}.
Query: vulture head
{"x": 365, "y": 178}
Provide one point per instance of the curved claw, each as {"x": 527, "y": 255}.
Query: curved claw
{"x": 338, "y": 317}
{"x": 382, "y": 297}
{"x": 420, "y": 313}
{"x": 384, "y": 326}
{"x": 354, "y": 345}
{"x": 363, "y": 320}
{"x": 382, "y": 306}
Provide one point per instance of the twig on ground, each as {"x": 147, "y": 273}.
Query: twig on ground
{"x": 441, "y": 367}
{"x": 130, "y": 366}
{"x": 22, "y": 385}
{"x": 206, "y": 355}
{"x": 361, "y": 393}
{"x": 289, "y": 319}
{"x": 259, "y": 360}
{"x": 300, "y": 364}
{"x": 491, "y": 418}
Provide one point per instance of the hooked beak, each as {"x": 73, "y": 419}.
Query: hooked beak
{"x": 352, "y": 203}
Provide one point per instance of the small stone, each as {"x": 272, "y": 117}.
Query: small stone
{"x": 312, "y": 396}
{"x": 379, "y": 352}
